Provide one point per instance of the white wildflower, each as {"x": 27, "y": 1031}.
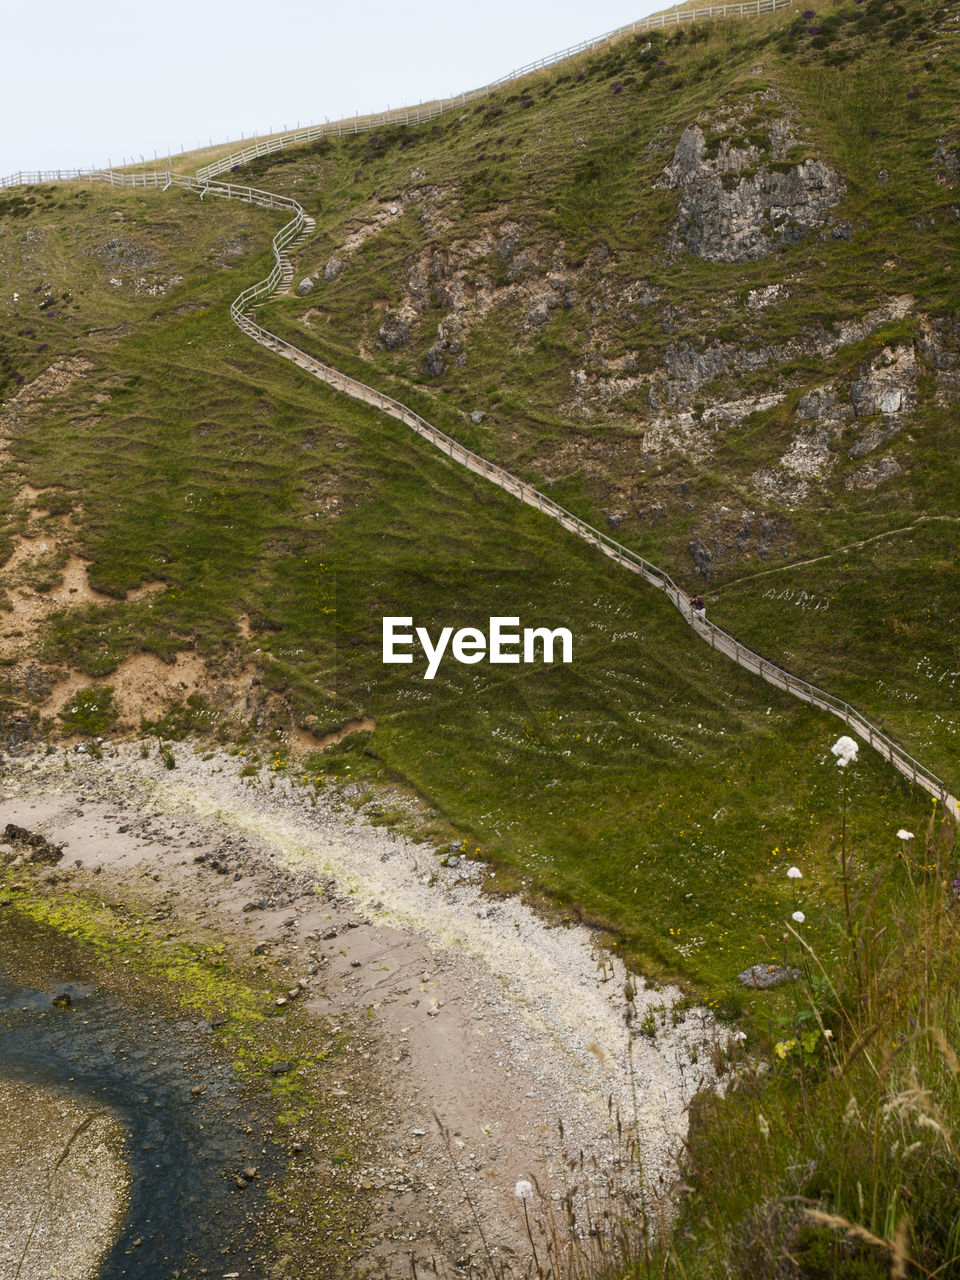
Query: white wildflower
{"x": 523, "y": 1190}
{"x": 799, "y": 917}
{"x": 739, "y": 1036}
{"x": 903, "y": 834}
{"x": 845, "y": 749}
{"x": 762, "y": 1124}
{"x": 794, "y": 874}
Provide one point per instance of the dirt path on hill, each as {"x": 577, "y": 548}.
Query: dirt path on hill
{"x": 484, "y": 1016}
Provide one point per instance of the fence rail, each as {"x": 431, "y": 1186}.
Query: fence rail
{"x": 426, "y": 111}
{"x": 419, "y": 114}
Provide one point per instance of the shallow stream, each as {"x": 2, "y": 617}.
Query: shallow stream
{"x": 186, "y": 1150}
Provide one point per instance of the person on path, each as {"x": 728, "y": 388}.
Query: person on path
{"x": 699, "y": 608}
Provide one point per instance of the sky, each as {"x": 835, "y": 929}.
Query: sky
{"x": 101, "y": 81}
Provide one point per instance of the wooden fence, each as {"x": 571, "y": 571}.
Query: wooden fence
{"x": 425, "y": 111}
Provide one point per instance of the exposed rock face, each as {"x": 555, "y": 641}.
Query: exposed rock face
{"x": 734, "y": 207}
{"x": 888, "y": 386}
{"x": 767, "y": 975}
{"x": 873, "y": 474}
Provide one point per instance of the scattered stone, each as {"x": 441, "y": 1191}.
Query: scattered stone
{"x": 477, "y": 417}
{"x": 762, "y": 976}
{"x": 305, "y": 287}
{"x": 34, "y": 847}
{"x": 332, "y": 269}
{"x": 280, "y": 1068}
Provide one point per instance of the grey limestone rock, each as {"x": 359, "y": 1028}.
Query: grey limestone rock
{"x": 395, "y": 331}
{"x": 872, "y": 439}
{"x": 702, "y": 557}
{"x": 816, "y": 404}
{"x": 873, "y": 474}
{"x": 763, "y": 976}
{"x": 736, "y": 207}
{"x": 332, "y": 269}
{"x": 434, "y": 364}
{"x": 305, "y": 287}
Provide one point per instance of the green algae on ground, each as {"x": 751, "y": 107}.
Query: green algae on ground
{"x": 201, "y": 978}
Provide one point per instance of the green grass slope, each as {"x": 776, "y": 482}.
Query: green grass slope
{"x": 533, "y": 273}
{"x": 648, "y": 786}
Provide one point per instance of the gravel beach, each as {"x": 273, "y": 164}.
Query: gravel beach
{"x": 485, "y": 1017}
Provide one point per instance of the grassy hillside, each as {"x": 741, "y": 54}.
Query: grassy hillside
{"x": 699, "y": 288}
{"x": 532, "y": 271}
{"x": 282, "y": 522}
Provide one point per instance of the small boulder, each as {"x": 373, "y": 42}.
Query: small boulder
{"x": 434, "y": 365}
{"x": 332, "y": 269}
{"x": 762, "y": 976}
{"x": 305, "y": 287}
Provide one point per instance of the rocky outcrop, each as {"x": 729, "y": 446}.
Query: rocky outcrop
{"x": 739, "y": 201}
{"x": 945, "y": 163}
{"x": 873, "y": 474}
{"x": 32, "y": 846}
{"x": 395, "y": 330}
{"x": 888, "y": 386}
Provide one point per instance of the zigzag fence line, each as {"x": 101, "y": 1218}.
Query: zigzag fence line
{"x": 431, "y": 110}
{"x": 627, "y": 559}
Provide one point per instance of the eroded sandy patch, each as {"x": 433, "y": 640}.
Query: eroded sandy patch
{"x": 30, "y": 607}
{"x": 145, "y": 687}
{"x": 58, "y": 378}
{"x": 304, "y": 740}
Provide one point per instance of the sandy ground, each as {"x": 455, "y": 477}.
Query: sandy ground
{"x": 485, "y": 1017}
{"x": 62, "y": 1192}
